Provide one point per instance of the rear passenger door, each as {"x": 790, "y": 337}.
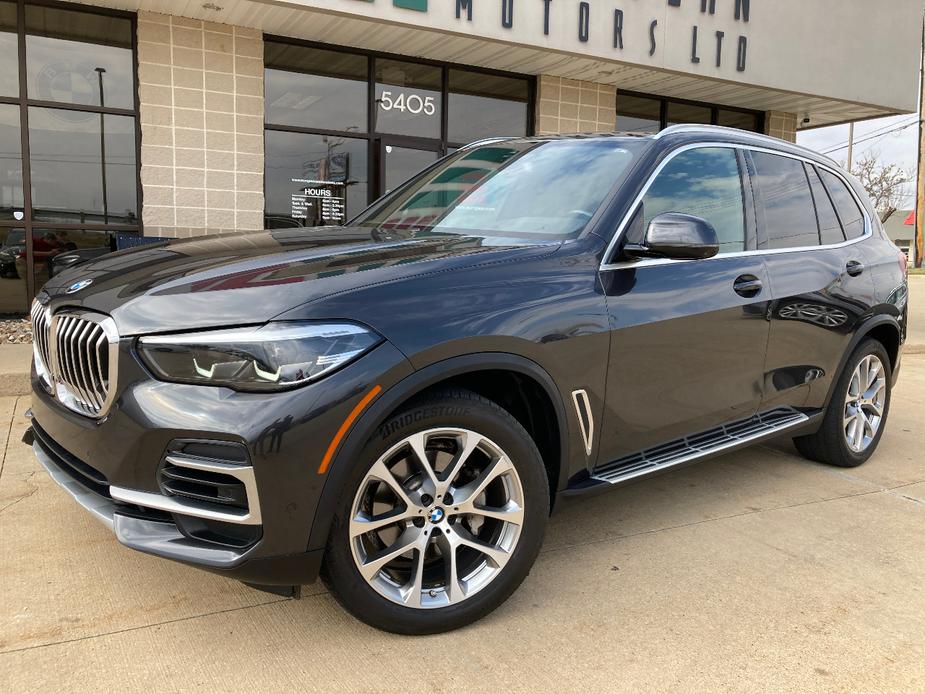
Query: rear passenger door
{"x": 819, "y": 286}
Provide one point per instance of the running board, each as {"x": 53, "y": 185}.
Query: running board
{"x": 699, "y": 445}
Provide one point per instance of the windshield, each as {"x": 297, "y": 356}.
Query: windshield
{"x": 547, "y": 189}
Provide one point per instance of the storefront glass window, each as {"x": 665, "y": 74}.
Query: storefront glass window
{"x": 13, "y": 292}
{"x": 77, "y": 190}
{"x": 342, "y": 127}
{"x": 69, "y": 146}
{"x": 644, "y": 113}
{"x": 79, "y": 58}
{"x": 9, "y": 48}
{"x": 408, "y": 99}
{"x": 638, "y": 114}
{"x": 687, "y": 113}
{"x": 313, "y": 179}
{"x": 737, "y": 119}
{"x": 314, "y": 88}
{"x": 11, "y": 199}
{"x": 483, "y": 105}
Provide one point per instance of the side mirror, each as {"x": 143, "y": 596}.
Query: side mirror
{"x": 676, "y": 235}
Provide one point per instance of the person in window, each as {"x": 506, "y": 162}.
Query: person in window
{"x": 64, "y": 242}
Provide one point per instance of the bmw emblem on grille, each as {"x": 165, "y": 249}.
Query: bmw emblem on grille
{"x": 77, "y": 286}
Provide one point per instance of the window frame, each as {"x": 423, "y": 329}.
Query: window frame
{"x": 25, "y": 102}
{"x": 609, "y": 262}
{"x": 441, "y": 144}
{"x": 663, "y": 102}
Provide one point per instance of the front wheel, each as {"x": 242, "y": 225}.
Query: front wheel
{"x": 442, "y": 518}
{"x": 856, "y": 416}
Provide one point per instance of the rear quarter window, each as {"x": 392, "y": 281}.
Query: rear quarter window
{"x": 852, "y": 218}
{"x": 830, "y": 230}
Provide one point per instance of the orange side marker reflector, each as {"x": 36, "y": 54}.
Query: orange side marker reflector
{"x": 345, "y": 425}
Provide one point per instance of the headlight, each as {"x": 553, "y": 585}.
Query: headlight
{"x": 275, "y": 356}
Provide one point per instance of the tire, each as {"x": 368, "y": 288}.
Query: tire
{"x": 403, "y": 595}
{"x": 830, "y": 444}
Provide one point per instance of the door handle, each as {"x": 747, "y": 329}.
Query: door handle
{"x": 747, "y": 286}
{"x": 854, "y": 268}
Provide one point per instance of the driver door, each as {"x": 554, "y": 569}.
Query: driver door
{"x": 688, "y": 337}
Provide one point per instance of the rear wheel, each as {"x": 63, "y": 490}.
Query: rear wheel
{"x": 442, "y": 518}
{"x": 856, "y": 416}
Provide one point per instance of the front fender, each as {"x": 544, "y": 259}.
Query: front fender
{"x": 367, "y": 423}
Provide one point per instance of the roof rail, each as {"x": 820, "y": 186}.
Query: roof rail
{"x": 702, "y": 128}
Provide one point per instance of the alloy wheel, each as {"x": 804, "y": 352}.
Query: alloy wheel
{"x": 864, "y": 403}
{"x": 436, "y": 518}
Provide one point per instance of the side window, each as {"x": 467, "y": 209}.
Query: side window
{"x": 830, "y": 230}
{"x": 704, "y": 182}
{"x": 852, "y": 218}
{"x": 790, "y": 219}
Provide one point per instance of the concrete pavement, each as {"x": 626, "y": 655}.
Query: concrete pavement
{"x": 755, "y": 571}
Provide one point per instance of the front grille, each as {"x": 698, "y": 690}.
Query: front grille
{"x": 75, "y": 355}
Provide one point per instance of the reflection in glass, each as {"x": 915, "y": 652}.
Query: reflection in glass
{"x": 852, "y": 218}
{"x": 9, "y": 50}
{"x": 637, "y": 114}
{"x": 314, "y": 88}
{"x": 66, "y": 49}
{"x": 788, "y": 206}
{"x": 482, "y": 105}
{"x": 408, "y": 98}
{"x": 401, "y": 163}
{"x": 57, "y": 250}
{"x": 830, "y": 230}
{"x": 69, "y": 181}
{"x": 11, "y": 191}
{"x": 688, "y": 113}
{"x": 537, "y": 190}
{"x": 705, "y": 183}
{"x": 307, "y": 178}
{"x": 13, "y": 297}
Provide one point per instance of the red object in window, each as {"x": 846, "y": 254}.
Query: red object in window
{"x": 910, "y": 220}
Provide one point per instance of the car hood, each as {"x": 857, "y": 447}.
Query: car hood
{"x": 251, "y": 277}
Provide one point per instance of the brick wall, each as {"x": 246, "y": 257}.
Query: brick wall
{"x": 574, "y": 106}
{"x": 200, "y": 86}
{"x": 781, "y": 124}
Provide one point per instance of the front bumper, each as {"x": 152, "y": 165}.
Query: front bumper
{"x": 111, "y": 466}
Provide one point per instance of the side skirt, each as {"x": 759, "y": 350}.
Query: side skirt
{"x": 694, "y": 448}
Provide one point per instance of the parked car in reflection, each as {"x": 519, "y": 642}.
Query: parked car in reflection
{"x": 13, "y": 247}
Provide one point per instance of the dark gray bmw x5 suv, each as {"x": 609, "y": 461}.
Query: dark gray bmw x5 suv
{"x": 399, "y": 404}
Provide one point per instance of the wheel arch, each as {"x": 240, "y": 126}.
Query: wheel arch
{"x": 486, "y": 373}
{"x": 883, "y": 328}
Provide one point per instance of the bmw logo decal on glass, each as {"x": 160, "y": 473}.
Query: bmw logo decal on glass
{"x": 77, "y": 286}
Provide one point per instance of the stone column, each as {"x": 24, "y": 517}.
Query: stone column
{"x": 201, "y": 107}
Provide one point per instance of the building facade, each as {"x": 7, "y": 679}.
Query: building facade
{"x": 161, "y": 118}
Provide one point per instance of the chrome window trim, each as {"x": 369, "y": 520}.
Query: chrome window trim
{"x": 634, "y": 206}
{"x": 580, "y": 398}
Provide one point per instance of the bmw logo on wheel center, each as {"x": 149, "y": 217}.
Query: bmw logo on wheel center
{"x": 436, "y": 515}
{"x": 77, "y": 286}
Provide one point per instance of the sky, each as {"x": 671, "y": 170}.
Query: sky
{"x": 897, "y": 147}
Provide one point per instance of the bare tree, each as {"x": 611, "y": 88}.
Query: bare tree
{"x": 883, "y": 182}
